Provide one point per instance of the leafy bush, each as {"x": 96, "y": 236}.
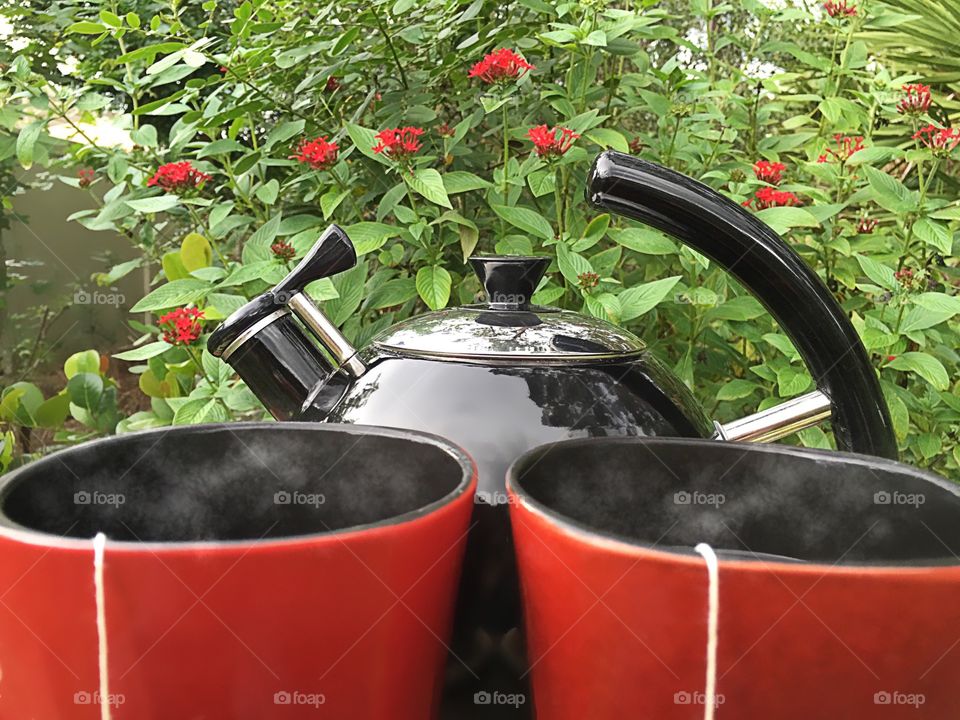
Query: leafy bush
{"x": 438, "y": 129}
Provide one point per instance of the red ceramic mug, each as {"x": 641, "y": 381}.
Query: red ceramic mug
{"x": 837, "y": 579}
{"x": 251, "y": 571}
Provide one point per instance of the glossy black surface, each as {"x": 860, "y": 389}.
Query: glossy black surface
{"x": 331, "y": 254}
{"x": 282, "y": 367}
{"x": 765, "y": 265}
{"x": 769, "y": 501}
{"x": 496, "y": 413}
{"x": 509, "y": 281}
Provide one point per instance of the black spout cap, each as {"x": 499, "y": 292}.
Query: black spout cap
{"x": 331, "y": 254}
{"x": 509, "y": 281}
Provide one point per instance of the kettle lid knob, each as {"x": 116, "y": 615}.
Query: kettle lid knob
{"x": 509, "y": 281}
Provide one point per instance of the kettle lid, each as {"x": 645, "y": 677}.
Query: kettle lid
{"x": 508, "y": 327}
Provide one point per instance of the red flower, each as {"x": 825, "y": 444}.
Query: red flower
{"x": 445, "y": 130}
{"x": 771, "y": 172}
{"x": 317, "y": 153}
{"x": 636, "y": 145}
{"x": 845, "y": 147}
{"x": 182, "y": 326}
{"x": 767, "y": 197}
{"x": 500, "y": 66}
{"x": 866, "y": 225}
{"x": 839, "y": 8}
{"x": 551, "y": 142}
{"x": 891, "y": 358}
{"x": 915, "y": 100}
{"x": 398, "y": 143}
{"x": 941, "y": 140}
{"x": 178, "y": 176}
{"x": 86, "y": 176}
{"x": 283, "y": 250}
{"x": 332, "y": 84}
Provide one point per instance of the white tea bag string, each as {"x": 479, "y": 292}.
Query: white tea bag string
{"x": 99, "y": 547}
{"x": 713, "y": 625}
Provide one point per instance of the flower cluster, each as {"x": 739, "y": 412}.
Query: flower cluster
{"x": 181, "y": 326}
{"x": 398, "y": 143}
{"x": 767, "y": 197}
{"x": 941, "y": 140}
{"x": 551, "y": 142}
{"x": 500, "y": 66}
{"x": 444, "y": 130}
{"x": 317, "y": 153}
{"x": 769, "y": 172}
{"x": 866, "y": 225}
{"x": 588, "y": 280}
{"x": 283, "y": 250}
{"x": 846, "y": 146}
{"x": 915, "y": 99}
{"x": 177, "y": 177}
{"x": 839, "y": 8}
{"x": 907, "y": 280}
{"x": 332, "y": 84}
{"x": 86, "y": 176}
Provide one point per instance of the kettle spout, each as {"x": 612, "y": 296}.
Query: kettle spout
{"x": 273, "y": 353}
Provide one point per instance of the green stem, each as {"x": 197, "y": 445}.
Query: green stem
{"x": 197, "y": 362}
{"x": 506, "y": 152}
{"x": 558, "y": 201}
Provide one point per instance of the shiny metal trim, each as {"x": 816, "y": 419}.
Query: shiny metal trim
{"x": 505, "y": 359}
{"x": 251, "y": 331}
{"x": 327, "y": 333}
{"x": 779, "y": 421}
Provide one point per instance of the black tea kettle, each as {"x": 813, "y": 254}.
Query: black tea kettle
{"x": 505, "y": 376}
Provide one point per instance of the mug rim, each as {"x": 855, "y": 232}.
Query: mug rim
{"x": 12, "y": 530}
{"x": 747, "y": 559}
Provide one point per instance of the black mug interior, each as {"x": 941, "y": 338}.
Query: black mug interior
{"x": 234, "y": 482}
{"x": 746, "y": 501}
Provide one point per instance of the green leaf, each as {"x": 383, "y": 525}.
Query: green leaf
{"x": 283, "y": 132}
{"x": 365, "y": 140}
{"x": 331, "y": 200}
{"x": 460, "y": 181}
{"x": 572, "y": 265}
{"x": 429, "y": 183}
{"x": 368, "y": 237}
{"x": 111, "y": 19}
{"x": 85, "y": 390}
{"x": 173, "y": 294}
{"x": 85, "y": 361}
{"x": 877, "y": 272}
{"x": 27, "y": 141}
{"x": 737, "y": 389}
{"x": 890, "y": 193}
{"x": 173, "y": 266}
{"x": 195, "y": 252}
{"x": 924, "y": 365}
{"x": 85, "y": 27}
{"x": 643, "y": 240}
{"x": 144, "y": 352}
{"x": 542, "y": 182}
{"x": 267, "y": 193}
{"x": 740, "y": 309}
{"x": 791, "y": 381}
{"x": 935, "y": 235}
{"x": 781, "y": 219}
{"x": 872, "y": 155}
{"x": 392, "y": 293}
{"x": 160, "y": 203}
{"x": 433, "y": 285}
{"x": 526, "y": 220}
{"x": 607, "y": 138}
{"x": 221, "y": 147}
{"x": 640, "y": 299}
{"x": 53, "y": 413}
{"x": 200, "y": 410}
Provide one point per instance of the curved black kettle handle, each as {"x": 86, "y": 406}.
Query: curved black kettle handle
{"x": 779, "y": 278}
